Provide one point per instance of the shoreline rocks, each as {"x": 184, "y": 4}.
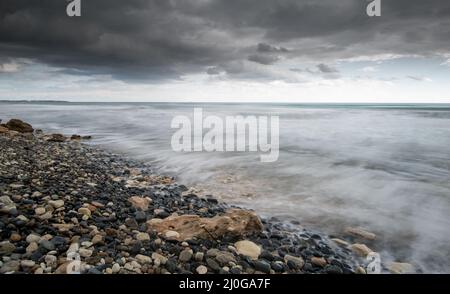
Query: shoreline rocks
{"x": 67, "y": 207}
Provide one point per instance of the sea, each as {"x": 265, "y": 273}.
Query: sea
{"x": 382, "y": 167}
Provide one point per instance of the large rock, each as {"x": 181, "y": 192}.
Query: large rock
{"x": 19, "y": 126}
{"x": 140, "y": 202}
{"x": 360, "y": 233}
{"x": 3, "y": 130}
{"x": 248, "y": 248}
{"x": 361, "y": 249}
{"x": 234, "y": 222}
{"x": 55, "y": 138}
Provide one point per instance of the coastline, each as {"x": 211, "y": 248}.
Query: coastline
{"x": 63, "y": 198}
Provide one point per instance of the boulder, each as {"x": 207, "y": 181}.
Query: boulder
{"x": 361, "y": 249}
{"x": 140, "y": 202}
{"x": 360, "y": 233}
{"x": 3, "y": 130}
{"x": 19, "y": 126}
{"x": 235, "y": 222}
{"x": 248, "y": 248}
{"x": 55, "y": 138}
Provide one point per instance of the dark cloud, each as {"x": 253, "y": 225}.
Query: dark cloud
{"x": 324, "y": 68}
{"x": 149, "y": 40}
{"x": 267, "y": 48}
{"x": 263, "y": 59}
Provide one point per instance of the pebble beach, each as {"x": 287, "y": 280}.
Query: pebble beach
{"x": 67, "y": 206}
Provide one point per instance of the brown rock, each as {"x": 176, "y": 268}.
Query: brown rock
{"x": 19, "y": 126}
{"x": 140, "y": 202}
{"x": 319, "y": 261}
{"x": 248, "y": 248}
{"x": 234, "y": 222}
{"x": 55, "y": 138}
{"x": 361, "y": 249}
{"x": 360, "y": 233}
{"x": 3, "y": 130}
{"x": 15, "y": 237}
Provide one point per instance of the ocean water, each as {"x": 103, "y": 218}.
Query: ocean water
{"x": 381, "y": 167}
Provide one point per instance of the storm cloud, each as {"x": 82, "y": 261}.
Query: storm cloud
{"x": 140, "y": 40}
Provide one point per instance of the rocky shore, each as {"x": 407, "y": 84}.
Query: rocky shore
{"x": 68, "y": 207}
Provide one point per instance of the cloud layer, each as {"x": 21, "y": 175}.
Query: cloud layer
{"x": 140, "y": 40}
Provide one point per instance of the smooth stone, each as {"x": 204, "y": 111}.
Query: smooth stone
{"x": 298, "y": 262}
{"x": 85, "y": 252}
{"x": 172, "y": 235}
{"x": 224, "y": 258}
{"x": 262, "y": 266}
{"x": 361, "y": 249}
{"x": 185, "y": 255}
{"x": 248, "y": 248}
{"x": 115, "y": 268}
{"x": 84, "y": 211}
{"x": 33, "y": 238}
{"x": 360, "y": 233}
{"x": 199, "y": 256}
{"x": 6, "y": 248}
{"x": 10, "y": 266}
{"x": 27, "y": 263}
{"x": 32, "y": 247}
{"x": 39, "y": 210}
{"x": 15, "y": 237}
{"x": 47, "y": 245}
{"x": 156, "y": 256}
{"x": 143, "y": 237}
{"x": 97, "y": 239}
{"x": 56, "y": 203}
{"x": 319, "y": 261}
{"x": 201, "y": 270}
{"x": 143, "y": 259}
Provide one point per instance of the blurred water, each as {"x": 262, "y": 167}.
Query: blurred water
{"x": 383, "y": 168}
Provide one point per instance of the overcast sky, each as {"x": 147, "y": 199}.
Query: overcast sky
{"x": 226, "y": 50}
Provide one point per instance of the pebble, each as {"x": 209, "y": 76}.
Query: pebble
{"x": 84, "y": 211}
{"x": 27, "y": 263}
{"x": 172, "y": 235}
{"x": 262, "y": 266}
{"x": 32, "y": 247}
{"x": 39, "y": 210}
{"x": 97, "y": 239}
{"x": 185, "y": 255}
{"x": 85, "y": 252}
{"x": 143, "y": 237}
{"x": 115, "y": 268}
{"x": 248, "y": 248}
{"x": 56, "y": 203}
{"x": 361, "y": 249}
{"x": 297, "y": 262}
{"x": 318, "y": 261}
{"x": 201, "y": 270}
{"x": 199, "y": 256}
{"x": 143, "y": 259}
{"x": 6, "y": 248}
{"x": 31, "y": 238}
{"x": 15, "y": 237}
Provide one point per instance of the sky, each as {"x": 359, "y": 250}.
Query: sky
{"x": 226, "y": 51}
